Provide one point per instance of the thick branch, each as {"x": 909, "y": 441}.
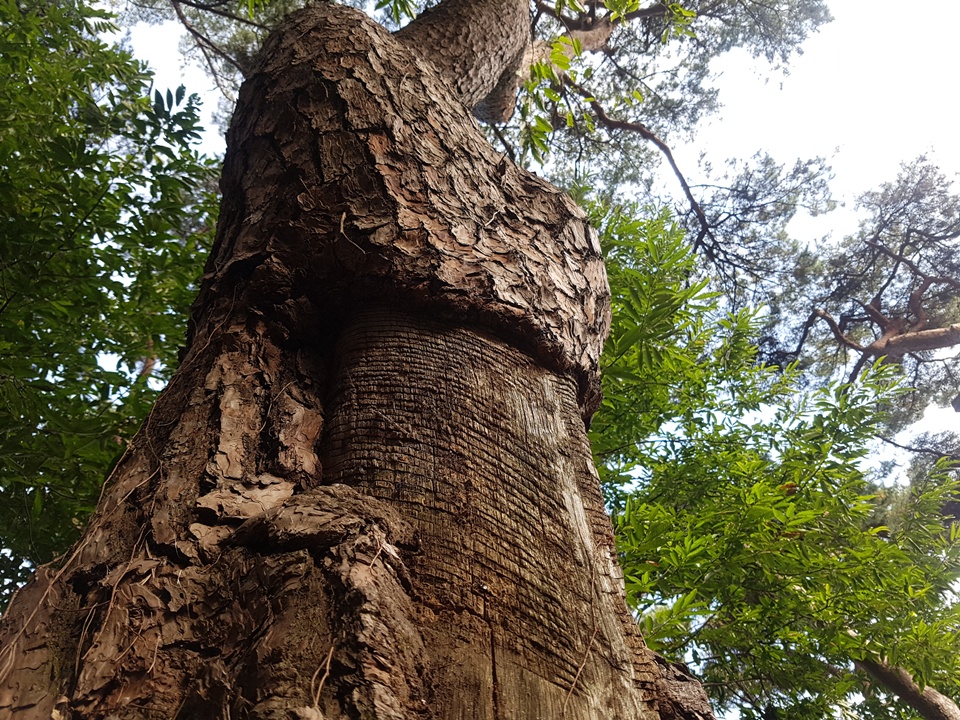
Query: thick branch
{"x": 592, "y": 32}
{"x": 931, "y": 704}
{"x": 916, "y": 297}
{"x": 477, "y": 47}
{"x": 920, "y": 341}
{"x": 896, "y": 341}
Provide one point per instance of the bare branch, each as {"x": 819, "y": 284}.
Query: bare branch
{"x": 930, "y": 704}
{"x": 647, "y": 134}
{"x": 214, "y": 9}
{"x": 925, "y": 450}
{"x": 837, "y": 332}
{"x": 899, "y": 257}
{"x": 203, "y": 42}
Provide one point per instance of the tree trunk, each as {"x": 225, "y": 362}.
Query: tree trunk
{"x": 367, "y": 492}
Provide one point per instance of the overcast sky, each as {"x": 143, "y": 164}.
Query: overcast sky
{"x": 873, "y": 89}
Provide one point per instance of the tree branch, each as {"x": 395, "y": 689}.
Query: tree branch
{"x": 899, "y": 257}
{"x": 873, "y": 310}
{"x": 213, "y": 8}
{"x": 931, "y": 704}
{"x": 919, "y": 341}
{"x": 804, "y": 332}
{"x": 203, "y": 41}
{"x": 647, "y": 134}
{"x": 925, "y": 450}
{"x": 658, "y": 10}
{"x": 837, "y": 332}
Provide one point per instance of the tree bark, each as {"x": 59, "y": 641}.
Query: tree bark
{"x": 478, "y": 47}
{"x": 367, "y": 492}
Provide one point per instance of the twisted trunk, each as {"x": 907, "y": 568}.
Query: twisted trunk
{"x": 367, "y": 492}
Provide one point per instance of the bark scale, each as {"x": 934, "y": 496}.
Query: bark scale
{"x": 367, "y": 493}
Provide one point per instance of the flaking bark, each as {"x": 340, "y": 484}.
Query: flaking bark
{"x": 367, "y": 492}
{"x": 478, "y": 47}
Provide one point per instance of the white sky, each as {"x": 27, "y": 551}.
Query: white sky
{"x": 873, "y": 89}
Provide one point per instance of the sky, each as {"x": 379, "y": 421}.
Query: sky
{"x": 873, "y": 89}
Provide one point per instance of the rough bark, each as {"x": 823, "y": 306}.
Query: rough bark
{"x": 367, "y": 492}
{"x": 930, "y": 704}
{"x": 478, "y": 47}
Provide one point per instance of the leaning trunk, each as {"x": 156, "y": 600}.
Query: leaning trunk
{"x": 367, "y": 492}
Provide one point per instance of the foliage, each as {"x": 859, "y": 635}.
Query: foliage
{"x": 653, "y": 71}
{"x": 747, "y": 209}
{"x": 744, "y": 514}
{"x": 224, "y": 37}
{"x": 104, "y": 212}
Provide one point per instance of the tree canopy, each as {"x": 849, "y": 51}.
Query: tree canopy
{"x": 745, "y": 381}
{"x": 756, "y": 543}
{"x": 106, "y": 208}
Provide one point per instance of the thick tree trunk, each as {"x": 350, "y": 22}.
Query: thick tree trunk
{"x": 367, "y": 493}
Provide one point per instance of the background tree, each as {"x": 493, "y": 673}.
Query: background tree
{"x": 103, "y": 216}
{"x": 756, "y": 546}
{"x": 891, "y": 291}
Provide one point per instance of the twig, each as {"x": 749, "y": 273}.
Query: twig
{"x": 583, "y": 664}
{"x": 326, "y": 674}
